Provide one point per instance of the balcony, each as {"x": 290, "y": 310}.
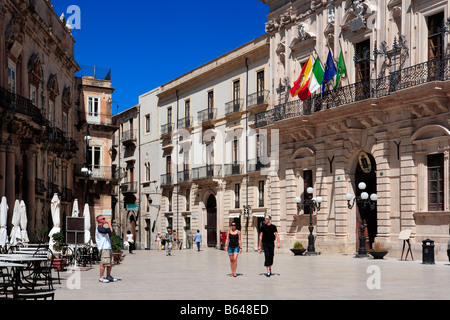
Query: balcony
{"x": 166, "y": 179}
{"x": 207, "y": 115}
{"x": 57, "y": 139}
{"x": 185, "y": 123}
{"x": 207, "y": 172}
{"x": 258, "y": 101}
{"x": 100, "y": 122}
{"x": 18, "y": 104}
{"x": 430, "y": 71}
{"x": 255, "y": 165}
{"x": 234, "y": 106}
{"x": 103, "y": 173}
{"x": 167, "y": 129}
{"x": 51, "y": 190}
{"x": 129, "y": 137}
{"x": 234, "y": 169}
{"x": 184, "y": 176}
{"x": 129, "y": 187}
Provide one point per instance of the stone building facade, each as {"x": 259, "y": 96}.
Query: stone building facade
{"x": 235, "y": 145}
{"x": 44, "y": 113}
{"x": 391, "y": 109}
{"x": 37, "y": 128}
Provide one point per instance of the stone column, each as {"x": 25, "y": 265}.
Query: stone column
{"x": 2, "y": 170}
{"x": 30, "y": 200}
{"x": 10, "y": 177}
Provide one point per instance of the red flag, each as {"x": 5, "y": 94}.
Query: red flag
{"x": 295, "y": 90}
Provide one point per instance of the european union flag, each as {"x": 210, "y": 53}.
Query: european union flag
{"x": 330, "y": 71}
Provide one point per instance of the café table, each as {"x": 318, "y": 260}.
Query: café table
{"x": 20, "y": 261}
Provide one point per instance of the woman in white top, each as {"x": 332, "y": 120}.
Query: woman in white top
{"x": 158, "y": 241}
{"x": 130, "y": 240}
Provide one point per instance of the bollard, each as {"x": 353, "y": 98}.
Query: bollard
{"x": 428, "y": 251}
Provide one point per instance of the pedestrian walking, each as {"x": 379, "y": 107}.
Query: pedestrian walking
{"x": 168, "y": 237}
{"x": 158, "y": 241}
{"x": 268, "y": 233}
{"x": 234, "y": 245}
{"x": 102, "y": 232}
{"x": 130, "y": 240}
{"x": 198, "y": 239}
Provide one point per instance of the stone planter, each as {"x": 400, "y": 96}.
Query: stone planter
{"x": 378, "y": 254}
{"x": 298, "y": 252}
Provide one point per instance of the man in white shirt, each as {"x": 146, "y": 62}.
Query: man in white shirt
{"x": 102, "y": 232}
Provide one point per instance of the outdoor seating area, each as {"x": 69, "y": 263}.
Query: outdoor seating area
{"x": 28, "y": 272}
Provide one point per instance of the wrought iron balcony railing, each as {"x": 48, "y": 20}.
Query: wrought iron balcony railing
{"x": 258, "y": 98}
{"x": 97, "y": 172}
{"x": 234, "y": 169}
{"x": 256, "y": 165}
{"x": 206, "y": 115}
{"x": 167, "y": 128}
{"x": 234, "y": 106}
{"x": 184, "y": 176}
{"x": 129, "y": 187}
{"x": 185, "y": 123}
{"x": 129, "y": 136}
{"x": 206, "y": 172}
{"x": 52, "y": 189}
{"x": 18, "y": 104}
{"x": 166, "y": 179}
{"x": 430, "y": 71}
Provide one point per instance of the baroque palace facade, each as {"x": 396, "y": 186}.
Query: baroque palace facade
{"x": 227, "y": 142}
{"x": 45, "y": 113}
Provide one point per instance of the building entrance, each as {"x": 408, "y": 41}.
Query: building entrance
{"x": 366, "y": 171}
{"x": 211, "y": 216}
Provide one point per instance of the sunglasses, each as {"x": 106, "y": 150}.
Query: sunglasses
{"x": 233, "y": 225}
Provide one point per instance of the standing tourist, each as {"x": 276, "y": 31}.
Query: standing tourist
{"x": 234, "y": 245}
{"x": 266, "y": 240}
{"x": 102, "y": 232}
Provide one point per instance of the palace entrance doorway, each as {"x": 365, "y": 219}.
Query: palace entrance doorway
{"x": 211, "y": 217}
{"x": 366, "y": 171}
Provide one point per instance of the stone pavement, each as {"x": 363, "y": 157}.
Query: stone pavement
{"x": 191, "y": 275}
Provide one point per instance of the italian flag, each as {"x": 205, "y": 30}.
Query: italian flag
{"x": 310, "y": 79}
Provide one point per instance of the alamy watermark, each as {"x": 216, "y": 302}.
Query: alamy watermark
{"x": 73, "y": 20}
{"x": 374, "y": 280}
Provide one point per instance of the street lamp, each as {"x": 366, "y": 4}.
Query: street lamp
{"x": 363, "y": 201}
{"x": 314, "y": 205}
{"x": 86, "y": 170}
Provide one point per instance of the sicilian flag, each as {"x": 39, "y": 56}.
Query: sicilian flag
{"x": 310, "y": 80}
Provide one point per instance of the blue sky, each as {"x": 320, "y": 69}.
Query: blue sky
{"x": 149, "y": 43}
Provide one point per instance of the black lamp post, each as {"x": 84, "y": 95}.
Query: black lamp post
{"x": 314, "y": 205}
{"x": 86, "y": 170}
{"x": 363, "y": 201}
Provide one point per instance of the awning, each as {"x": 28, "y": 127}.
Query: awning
{"x": 234, "y": 215}
{"x": 259, "y": 214}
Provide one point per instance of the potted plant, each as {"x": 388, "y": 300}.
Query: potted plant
{"x": 59, "y": 262}
{"x": 298, "y": 249}
{"x": 116, "y": 245}
{"x": 378, "y": 250}
{"x": 41, "y": 234}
